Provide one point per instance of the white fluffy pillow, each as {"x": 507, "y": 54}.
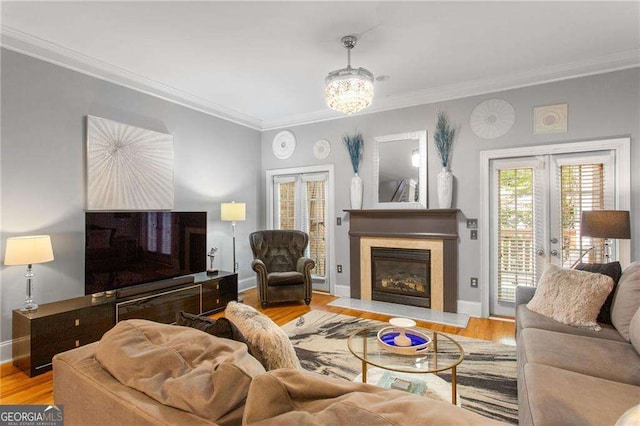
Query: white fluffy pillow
{"x": 571, "y": 297}
{"x": 264, "y": 338}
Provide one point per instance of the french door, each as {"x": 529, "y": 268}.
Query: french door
{"x": 300, "y": 201}
{"x": 536, "y": 204}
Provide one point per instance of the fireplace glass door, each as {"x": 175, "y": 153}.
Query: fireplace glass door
{"x": 401, "y": 276}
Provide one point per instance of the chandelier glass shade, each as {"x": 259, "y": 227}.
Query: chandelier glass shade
{"x": 349, "y": 90}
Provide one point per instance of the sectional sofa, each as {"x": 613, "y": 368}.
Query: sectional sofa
{"x": 574, "y": 376}
{"x": 145, "y": 373}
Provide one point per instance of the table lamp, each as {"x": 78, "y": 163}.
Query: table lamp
{"x": 605, "y": 224}
{"x": 27, "y": 251}
{"x": 233, "y": 212}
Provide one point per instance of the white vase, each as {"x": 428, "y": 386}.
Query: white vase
{"x": 356, "y": 192}
{"x": 445, "y": 188}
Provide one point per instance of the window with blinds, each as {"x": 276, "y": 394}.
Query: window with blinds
{"x": 582, "y": 187}
{"x": 286, "y": 205}
{"x": 516, "y": 243}
{"x": 316, "y": 213}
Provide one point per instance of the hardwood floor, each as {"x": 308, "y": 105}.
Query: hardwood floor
{"x": 17, "y": 388}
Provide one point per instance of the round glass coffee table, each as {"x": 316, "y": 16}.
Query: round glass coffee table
{"x": 444, "y": 353}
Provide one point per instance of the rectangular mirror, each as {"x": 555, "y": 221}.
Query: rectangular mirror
{"x": 400, "y": 170}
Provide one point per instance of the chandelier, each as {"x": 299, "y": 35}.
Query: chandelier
{"x": 349, "y": 90}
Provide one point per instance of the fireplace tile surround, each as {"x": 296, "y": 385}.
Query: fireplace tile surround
{"x": 433, "y": 229}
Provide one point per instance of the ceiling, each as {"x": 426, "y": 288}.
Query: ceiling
{"x": 262, "y": 64}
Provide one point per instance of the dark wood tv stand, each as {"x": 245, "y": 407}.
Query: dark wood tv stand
{"x": 60, "y": 326}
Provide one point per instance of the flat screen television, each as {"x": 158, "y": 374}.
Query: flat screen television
{"x": 124, "y": 249}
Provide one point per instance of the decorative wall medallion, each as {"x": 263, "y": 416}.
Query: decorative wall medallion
{"x": 128, "y": 168}
{"x": 492, "y": 118}
{"x": 284, "y": 143}
{"x": 321, "y": 149}
{"x": 550, "y": 119}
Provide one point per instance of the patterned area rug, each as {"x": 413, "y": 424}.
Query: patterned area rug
{"x": 486, "y": 377}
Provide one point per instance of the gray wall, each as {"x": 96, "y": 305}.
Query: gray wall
{"x": 601, "y": 106}
{"x": 42, "y": 162}
{"x": 43, "y": 167}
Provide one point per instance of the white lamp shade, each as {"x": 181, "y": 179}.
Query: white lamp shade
{"x": 28, "y": 250}
{"x": 233, "y": 212}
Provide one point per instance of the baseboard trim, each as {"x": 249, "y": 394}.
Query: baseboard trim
{"x": 473, "y": 309}
{"x": 342, "y": 290}
{"x": 247, "y": 284}
{"x": 5, "y": 351}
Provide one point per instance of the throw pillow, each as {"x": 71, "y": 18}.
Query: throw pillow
{"x": 626, "y": 300}
{"x": 630, "y": 417}
{"x": 264, "y": 337}
{"x": 571, "y": 297}
{"x": 613, "y": 270}
{"x": 220, "y": 327}
{"x": 634, "y": 331}
{"x": 180, "y": 367}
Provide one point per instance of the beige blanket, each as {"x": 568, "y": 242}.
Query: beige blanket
{"x": 292, "y": 397}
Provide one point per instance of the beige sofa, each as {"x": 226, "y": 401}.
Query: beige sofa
{"x": 574, "y": 376}
{"x": 144, "y": 373}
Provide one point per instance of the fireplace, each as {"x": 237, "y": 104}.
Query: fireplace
{"x": 434, "y": 231}
{"x": 401, "y": 275}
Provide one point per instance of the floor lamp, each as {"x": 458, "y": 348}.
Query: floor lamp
{"x": 233, "y": 212}
{"x": 605, "y": 224}
{"x": 27, "y": 251}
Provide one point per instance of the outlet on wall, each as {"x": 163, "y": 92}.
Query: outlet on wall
{"x": 474, "y": 282}
{"x": 339, "y": 221}
{"x": 339, "y": 269}
{"x": 474, "y": 234}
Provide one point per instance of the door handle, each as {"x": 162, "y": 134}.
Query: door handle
{"x": 540, "y": 252}
{"x": 554, "y": 253}
{"x": 554, "y": 241}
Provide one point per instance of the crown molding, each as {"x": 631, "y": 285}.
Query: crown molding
{"x": 600, "y": 65}
{"x": 36, "y": 47}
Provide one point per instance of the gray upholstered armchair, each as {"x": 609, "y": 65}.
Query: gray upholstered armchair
{"x": 284, "y": 274}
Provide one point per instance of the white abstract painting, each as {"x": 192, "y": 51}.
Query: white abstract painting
{"x": 128, "y": 168}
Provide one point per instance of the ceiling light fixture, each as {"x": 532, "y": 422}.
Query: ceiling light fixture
{"x": 349, "y": 90}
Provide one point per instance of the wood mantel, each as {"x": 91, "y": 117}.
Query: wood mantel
{"x": 432, "y": 224}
